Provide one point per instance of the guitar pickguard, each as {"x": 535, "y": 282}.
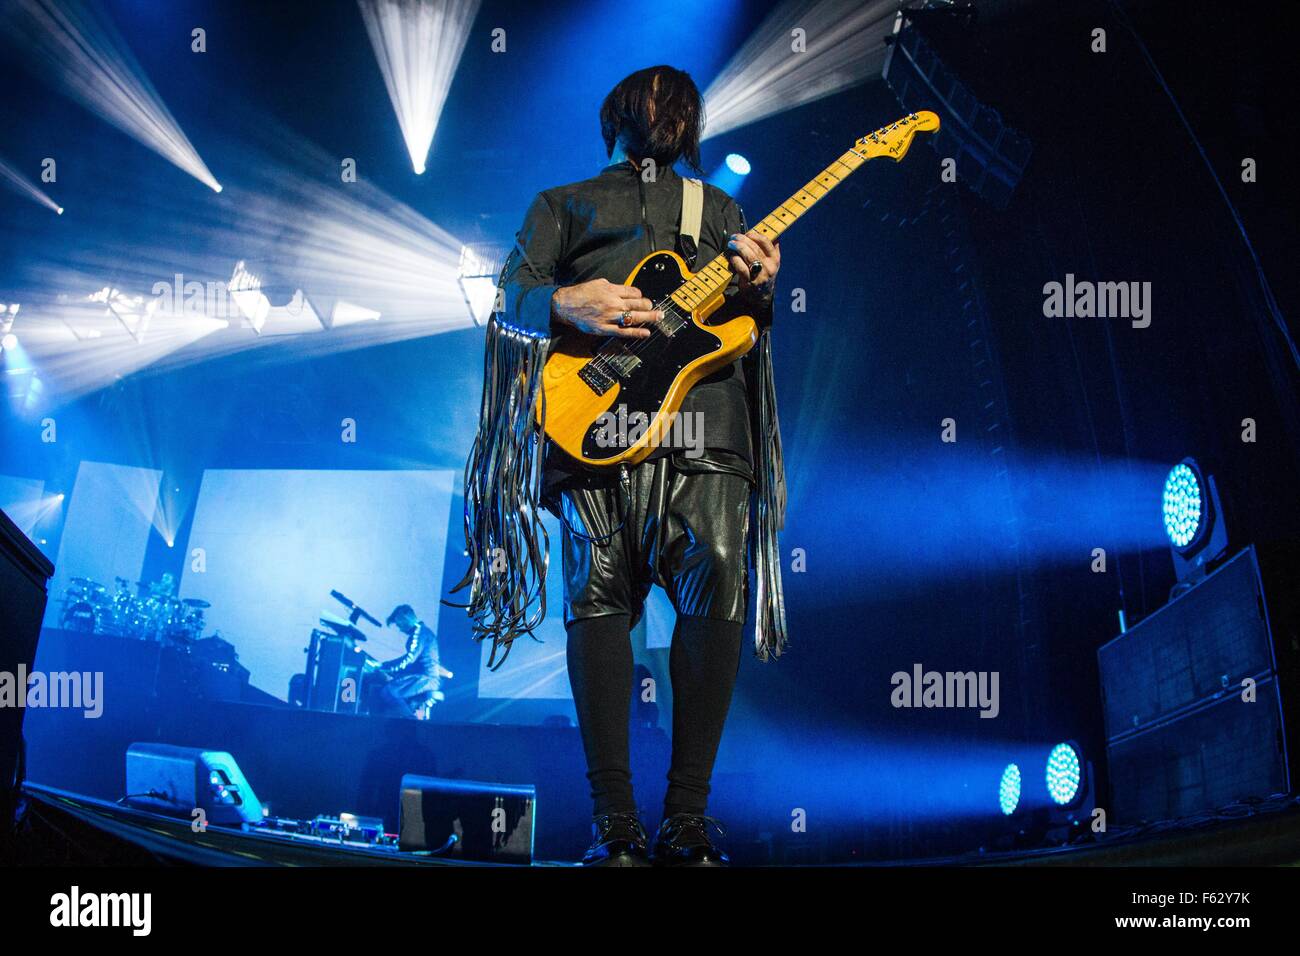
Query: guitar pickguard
{"x": 662, "y": 357}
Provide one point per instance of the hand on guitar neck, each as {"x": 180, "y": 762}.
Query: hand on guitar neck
{"x": 755, "y": 259}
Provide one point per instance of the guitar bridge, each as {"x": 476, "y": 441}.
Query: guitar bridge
{"x": 597, "y": 380}
{"x": 604, "y": 370}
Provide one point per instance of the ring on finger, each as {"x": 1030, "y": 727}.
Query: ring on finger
{"x": 623, "y": 319}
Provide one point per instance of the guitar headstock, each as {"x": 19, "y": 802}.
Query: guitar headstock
{"x": 895, "y": 139}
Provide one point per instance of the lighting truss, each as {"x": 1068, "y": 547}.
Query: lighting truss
{"x": 480, "y": 268}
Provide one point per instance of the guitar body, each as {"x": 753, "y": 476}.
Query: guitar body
{"x": 652, "y": 379}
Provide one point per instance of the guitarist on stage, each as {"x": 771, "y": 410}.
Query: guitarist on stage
{"x": 681, "y": 521}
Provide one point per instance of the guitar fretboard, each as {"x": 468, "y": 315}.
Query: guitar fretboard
{"x": 715, "y": 276}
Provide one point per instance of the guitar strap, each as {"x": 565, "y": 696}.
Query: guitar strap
{"x": 688, "y": 235}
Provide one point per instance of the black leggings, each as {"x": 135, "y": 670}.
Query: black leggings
{"x": 702, "y": 662}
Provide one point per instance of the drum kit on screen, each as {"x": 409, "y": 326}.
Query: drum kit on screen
{"x": 146, "y": 611}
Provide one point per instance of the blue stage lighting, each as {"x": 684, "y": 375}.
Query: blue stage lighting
{"x": 10, "y": 341}
{"x": 1184, "y": 504}
{"x": 1063, "y": 774}
{"x": 1009, "y": 789}
{"x": 738, "y": 164}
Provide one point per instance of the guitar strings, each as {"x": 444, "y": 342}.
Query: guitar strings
{"x": 634, "y": 351}
{"x": 602, "y": 359}
{"x": 629, "y": 349}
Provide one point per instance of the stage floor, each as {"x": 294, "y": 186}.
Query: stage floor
{"x": 104, "y": 833}
{"x": 141, "y": 836}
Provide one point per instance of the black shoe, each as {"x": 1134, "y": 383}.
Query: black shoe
{"x": 620, "y": 841}
{"x": 683, "y": 840}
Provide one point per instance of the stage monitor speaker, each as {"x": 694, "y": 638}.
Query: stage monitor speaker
{"x": 468, "y": 820}
{"x": 178, "y": 781}
{"x": 1192, "y": 701}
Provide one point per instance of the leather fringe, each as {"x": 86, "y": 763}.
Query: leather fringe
{"x": 508, "y": 548}
{"x": 770, "y": 636}
{"x": 507, "y": 545}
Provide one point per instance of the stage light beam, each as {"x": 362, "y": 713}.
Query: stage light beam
{"x": 842, "y": 46}
{"x": 372, "y": 268}
{"x": 78, "y": 48}
{"x": 25, "y": 187}
{"x": 418, "y": 44}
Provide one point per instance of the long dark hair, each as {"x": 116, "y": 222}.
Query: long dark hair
{"x": 674, "y": 132}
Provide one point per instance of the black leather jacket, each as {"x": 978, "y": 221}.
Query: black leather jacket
{"x": 601, "y": 228}
{"x": 421, "y": 657}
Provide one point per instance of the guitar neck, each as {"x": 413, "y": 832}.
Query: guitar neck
{"x": 716, "y": 275}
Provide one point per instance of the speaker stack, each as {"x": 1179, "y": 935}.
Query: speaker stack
{"x": 1193, "y": 701}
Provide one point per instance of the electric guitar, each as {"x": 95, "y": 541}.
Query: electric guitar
{"x": 589, "y": 381}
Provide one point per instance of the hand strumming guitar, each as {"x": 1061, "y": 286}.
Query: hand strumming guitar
{"x": 600, "y": 307}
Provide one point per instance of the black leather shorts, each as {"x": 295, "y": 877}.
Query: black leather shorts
{"x": 687, "y": 531}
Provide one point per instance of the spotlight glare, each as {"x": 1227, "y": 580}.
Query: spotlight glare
{"x": 738, "y": 164}
{"x": 292, "y": 231}
{"x": 1009, "y": 790}
{"x": 10, "y": 341}
{"x": 845, "y": 48}
{"x": 1063, "y": 772}
{"x": 1183, "y": 504}
{"x": 418, "y": 46}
